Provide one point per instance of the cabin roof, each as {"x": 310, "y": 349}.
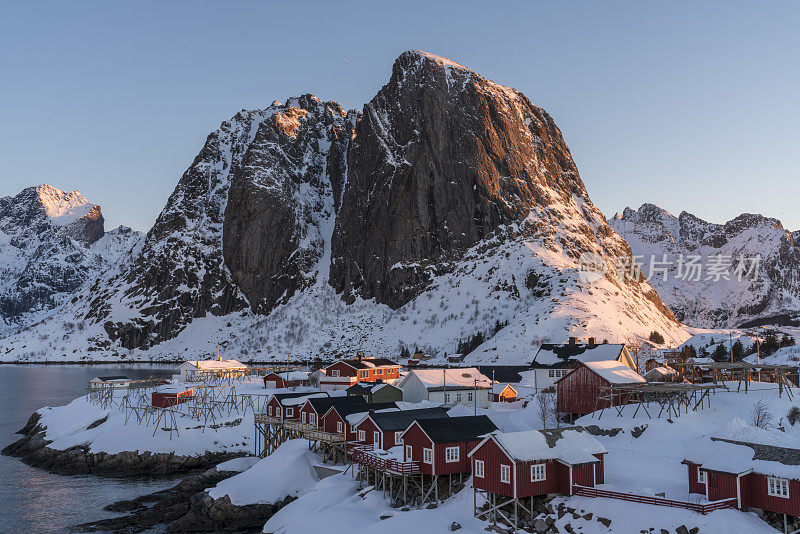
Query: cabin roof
{"x": 323, "y": 404}
{"x": 367, "y": 363}
{"x": 453, "y": 429}
{"x": 348, "y": 409}
{"x": 400, "y": 420}
{"x": 572, "y": 445}
{"x": 280, "y": 397}
{"x": 614, "y": 372}
{"x": 552, "y": 355}
{"x": 450, "y": 379}
{"x": 735, "y": 457}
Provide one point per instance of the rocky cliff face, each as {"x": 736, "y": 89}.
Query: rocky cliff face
{"x": 52, "y": 243}
{"x": 282, "y": 201}
{"x": 441, "y": 158}
{"x": 766, "y": 290}
{"x": 449, "y": 206}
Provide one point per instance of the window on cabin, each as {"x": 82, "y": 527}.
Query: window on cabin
{"x": 376, "y": 438}
{"x": 458, "y": 397}
{"x": 701, "y": 476}
{"x": 363, "y": 374}
{"x": 408, "y": 452}
{"x": 427, "y": 456}
{"x": 303, "y": 417}
{"x": 312, "y": 418}
{"x": 451, "y": 454}
{"x": 778, "y": 487}
{"x": 397, "y": 439}
{"x": 335, "y": 372}
{"x": 278, "y": 411}
{"x": 289, "y": 412}
{"x": 447, "y": 398}
{"x": 470, "y": 398}
{"x": 269, "y": 410}
{"x": 538, "y": 472}
{"x": 362, "y": 435}
{"x": 479, "y": 468}
{"x": 339, "y": 427}
{"x": 505, "y": 473}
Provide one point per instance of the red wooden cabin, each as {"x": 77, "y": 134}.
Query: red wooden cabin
{"x": 344, "y": 373}
{"x": 171, "y": 396}
{"x": 382, "y": 430}
{"x": 284, "y": 405}
{"x": 335, "y": 420}
{"x": 578, "y": 391}
{"x": 756, "y": 475}
{"x": 537, "y": 462}
{"x": 442, "y": 445}
{"x": 287, "y": 379}
{"x": 314, "y": 408}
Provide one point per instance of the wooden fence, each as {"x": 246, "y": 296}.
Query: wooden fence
{"x": 655, "y": 501}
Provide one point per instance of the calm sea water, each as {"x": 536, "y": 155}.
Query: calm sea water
{"x": 32, "y": 500}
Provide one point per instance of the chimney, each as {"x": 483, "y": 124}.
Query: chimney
{"x": 573, "y": 340}
{"x": 360, "y": 356}
{"x": 592, "y": 342}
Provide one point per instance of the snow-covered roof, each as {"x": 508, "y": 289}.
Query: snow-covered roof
{"x": 660, "y": 372}
{"x": 730, "y": 456}
{"x": 291, "y": 375}
{"x": 572, "y": 445}
{"x": 212, "y": 365}
{"x": 459, "y": 377}
{"x": 615, "y": 372}
{"x": 553, "y": 355}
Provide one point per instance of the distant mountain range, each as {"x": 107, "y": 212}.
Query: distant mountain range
{"x": 448, "y": 206}
{"x": 707, "y": 299}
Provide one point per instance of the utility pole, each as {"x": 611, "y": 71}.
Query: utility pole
{"x": 444, "y": 385}
{"x": 730, "y": 336}
{"x": 475, "y": 395}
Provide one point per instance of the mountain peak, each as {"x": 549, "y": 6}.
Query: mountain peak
{"x": 63, "y": 208}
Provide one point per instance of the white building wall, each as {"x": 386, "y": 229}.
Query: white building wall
{"x": 413, "y": 389}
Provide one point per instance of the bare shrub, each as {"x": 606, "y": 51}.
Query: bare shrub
{"x": 794, "y": 415}
{"x": 760, "y": 416}
{"x": 546, "y": 408}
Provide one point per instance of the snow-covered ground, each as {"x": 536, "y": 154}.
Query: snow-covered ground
{"x": 646, "y": 465}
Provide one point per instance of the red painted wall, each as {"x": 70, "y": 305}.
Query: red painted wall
{"x": 308, "y": 409}
{"x": 368, "y": 426}
{"x": 343, "y": 368}
{"x": 369, "y": 375}
{"x": 166, "y": 400}
{"x": 720, "y": 486}
{"x": 600, "y": 469}
{"x": 415, "y": 437}
{"x": 694, "y": 485}
{"x": 754, "y": 493}
{"x": 578, "y": 391}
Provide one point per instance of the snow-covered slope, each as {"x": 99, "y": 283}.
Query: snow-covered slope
{"x": 705, "y": 299}
{"x": 51, "y": 243}
{"x": 451, "y": 203}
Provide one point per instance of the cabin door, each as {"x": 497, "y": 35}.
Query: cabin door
{"x": 713, "y": 486}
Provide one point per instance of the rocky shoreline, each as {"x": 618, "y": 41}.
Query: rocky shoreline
{"x": 33, "y": 449}
{"x": 187, "y": 507}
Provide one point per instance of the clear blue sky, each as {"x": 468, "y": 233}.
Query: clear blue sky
{"x": 691, "y": 105}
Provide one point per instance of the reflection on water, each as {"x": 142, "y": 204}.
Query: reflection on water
{"x": 32, "y": 500}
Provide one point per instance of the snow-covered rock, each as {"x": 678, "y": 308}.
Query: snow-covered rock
{"x": 773, "y": 297}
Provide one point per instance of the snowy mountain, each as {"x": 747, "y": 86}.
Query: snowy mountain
{"x": 51, "y": 243}
{"x": 450, "y": 205}
{"x": 742, "y": 290}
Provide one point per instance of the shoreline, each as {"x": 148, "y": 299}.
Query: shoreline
{"x": 33, "y": 449}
